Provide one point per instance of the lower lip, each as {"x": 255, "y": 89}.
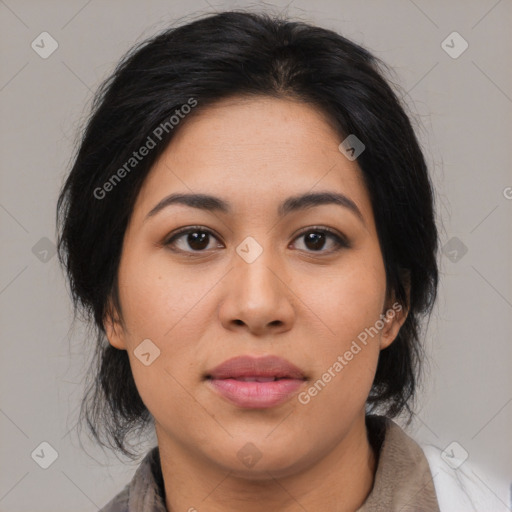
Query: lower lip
{"x": 256, "y": 395}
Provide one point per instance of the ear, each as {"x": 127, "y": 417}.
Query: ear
{"x": 393, "y": 318}
{"x": 395, "y": 314}
{"x": 113, "y": 327}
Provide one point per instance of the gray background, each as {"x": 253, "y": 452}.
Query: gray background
{"x": 462, "y": 109}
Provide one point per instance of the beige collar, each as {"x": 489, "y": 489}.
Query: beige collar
{"x": 403, "y": 481}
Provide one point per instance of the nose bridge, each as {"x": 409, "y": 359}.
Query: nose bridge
{"x": 254, "y": 278}
{"x": 256, "y": 296}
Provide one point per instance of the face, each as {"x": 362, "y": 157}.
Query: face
{"x": 305, "y": 282}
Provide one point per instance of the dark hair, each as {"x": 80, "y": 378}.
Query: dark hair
{"x": 218, "y": 56}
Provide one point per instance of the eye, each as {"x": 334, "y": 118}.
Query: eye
{"x": 196, "y": 238}
{"x": 316, "y": 238}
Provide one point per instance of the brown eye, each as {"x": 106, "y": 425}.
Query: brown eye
{"x": 315, "y": 240}
{"x": 198, "y": 239}
{"x": 191, "y": 240}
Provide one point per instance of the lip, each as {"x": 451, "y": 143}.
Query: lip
{"x": 224, "y": 379}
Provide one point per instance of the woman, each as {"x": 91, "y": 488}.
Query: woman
{"x": 249, "y": 223}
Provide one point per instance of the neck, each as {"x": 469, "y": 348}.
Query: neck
{"x": 339, "y": 481}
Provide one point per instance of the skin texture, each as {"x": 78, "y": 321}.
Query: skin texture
{"x": 297, "y": 301}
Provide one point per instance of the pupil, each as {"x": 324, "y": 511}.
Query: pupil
{"x": 197, "y": 239}
{"x": 317, "y": 239}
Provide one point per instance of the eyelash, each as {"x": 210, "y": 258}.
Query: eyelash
{"x": 340, "y": 240}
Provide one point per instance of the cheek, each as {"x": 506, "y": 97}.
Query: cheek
{"x": 345, "y": 362}
{"x": 166, "y": 306}
{"x": 350, "y": 299}
{"x": 340, "y": 391}
{"x": 346, "y": 357}
{"x": 157, "y": 297}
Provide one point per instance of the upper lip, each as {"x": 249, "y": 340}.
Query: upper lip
{"x": 249, "y": 366}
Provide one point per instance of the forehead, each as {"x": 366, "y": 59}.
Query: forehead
{"x": 254, "y": 151}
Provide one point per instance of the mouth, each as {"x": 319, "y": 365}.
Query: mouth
{"x": 259, "y": 369}
{"x": 253, "y": 378}
{"x": 256, "y": 383}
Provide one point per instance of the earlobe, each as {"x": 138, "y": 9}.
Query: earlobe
{"x": 392, "y": 324}
{"x": 395, "y": 316}
{"x": 114, "y": 330}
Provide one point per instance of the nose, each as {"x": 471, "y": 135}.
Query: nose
{"x": 257, "y": 297}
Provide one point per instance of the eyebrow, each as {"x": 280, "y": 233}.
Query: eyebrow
{"x": 292, "y": 204}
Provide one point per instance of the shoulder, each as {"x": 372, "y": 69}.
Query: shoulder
{"x": 463, "y": 485}
{"x": 145, "y": 491}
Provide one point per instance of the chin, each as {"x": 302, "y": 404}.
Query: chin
{"x": 252, "y": 463}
